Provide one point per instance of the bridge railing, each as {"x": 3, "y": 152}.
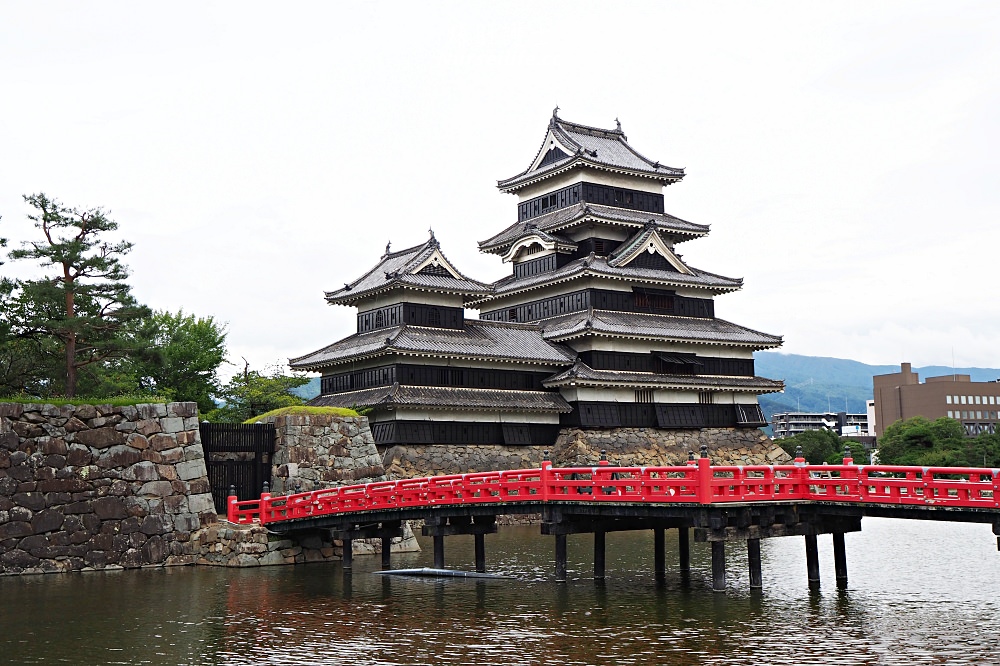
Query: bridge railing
{"x": 698, "y": 482}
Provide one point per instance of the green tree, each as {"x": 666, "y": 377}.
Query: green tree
{"x": 818, "y": 446}
{"x": 250, "y": 393}
{"x": 187, "y": 353}
{"x": 85, "y": 305}
{"x": 920, "y": 441}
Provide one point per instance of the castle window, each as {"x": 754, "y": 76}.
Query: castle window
{"x": 434, "y": 317}
{"x": 512, "y": 314}
{"x": 379, "y": 319}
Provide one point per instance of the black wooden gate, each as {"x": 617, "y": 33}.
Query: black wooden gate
{"x": 237, "y": 455}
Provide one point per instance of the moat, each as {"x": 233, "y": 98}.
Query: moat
{"x": 920, "y": 593}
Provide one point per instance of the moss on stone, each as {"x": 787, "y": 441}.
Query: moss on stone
{"x": 302, "y": 409}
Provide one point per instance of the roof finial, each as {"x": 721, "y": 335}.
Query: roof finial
{"x": 619, "y": 124}
{"x": 555, "y": 112}
{"x": 430, "y": 230}
{"x": 388, "y": 243}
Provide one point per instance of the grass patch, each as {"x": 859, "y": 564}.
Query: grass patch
{"x": 304, "y": 410}
{"x": 115, "y": 400}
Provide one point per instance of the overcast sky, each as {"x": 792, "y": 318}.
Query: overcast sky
{"x": 845, "y": 154}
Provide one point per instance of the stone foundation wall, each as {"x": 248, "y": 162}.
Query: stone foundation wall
{"x": 650, "y": 447}
{"x": 314, "y": 452}
{"x": 228, "y": 545}
{"x": 96, "y": 486}
{"x": 625, "y": 446}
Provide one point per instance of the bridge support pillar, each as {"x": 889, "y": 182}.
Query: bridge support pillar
{"x": 659, "y": 554}
{"x": 438, "y": 552}
{"x": 386, "y": 551}
{"x": 753, "y": 560}
{"x": 684, "y": 548}
{"x": 561, "y": 558}
{"x": 599, "y": 555}
{"x": 718, "y": 566}
{"x": 812, "y": 561}
{"x": 347, "y": 557}
{"x": 840, "y": 560}
{"x": 480, "y": 552}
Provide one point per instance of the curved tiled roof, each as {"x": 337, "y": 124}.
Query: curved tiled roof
{"x": 603, "y": 149}
{"x": 437, "y": 397}
{"x": 487, "y": 340}
{"x": 593, "y": 265}
{"x": 398, "y": 270}
{"x": 654, "y": 326}
{"x": 583, "y": 374}
{"x": 565, "y": 218}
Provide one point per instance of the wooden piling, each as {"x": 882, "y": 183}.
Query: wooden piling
{"x": 718, "y": 566}
{"x": 438, "y": 552}
{"x": 347, "y": 556}
{"x": 480, "y": 552}
{"x": 561, "y": 558}
{"x": 812, "y": 561}
{"x": 386, "y": 551}
{"x": 599, "y": 555}
{"x": 659, "y": 555}
{"x": 684, "y": 548}
{"x": 840, "y": 560}
{"x": 753, "y": 560}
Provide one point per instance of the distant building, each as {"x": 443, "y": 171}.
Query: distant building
{"x": 900, "y": 395}
{"x": 842, "y": 423}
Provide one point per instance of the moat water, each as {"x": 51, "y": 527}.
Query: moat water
{"x": 919, "y": 593}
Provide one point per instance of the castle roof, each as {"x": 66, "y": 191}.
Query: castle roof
{"x": 597, "y": 266}
{"x": 479, "y": 340}
{"x": 423, "y": 268}
{"x": 450, "y": 398}
{"x": 581, "y": 374}
{"x": 570, "y": 145}
{"x": 644, "y": 326}
{"x": 584, "y": 213}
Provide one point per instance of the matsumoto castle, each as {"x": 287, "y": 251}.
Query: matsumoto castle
{"x": 600, "y": 324}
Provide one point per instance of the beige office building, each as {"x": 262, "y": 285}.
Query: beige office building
{"x": 900, "y": 395}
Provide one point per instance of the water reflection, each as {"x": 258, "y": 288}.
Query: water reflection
{"x": 919, "y": 593}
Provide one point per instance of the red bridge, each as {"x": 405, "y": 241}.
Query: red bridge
{"x": 722, "y": 503}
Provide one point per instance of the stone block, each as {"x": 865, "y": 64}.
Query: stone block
{"x": 14, "y": 529}
{"x": 141, "y": 471}
{"x": 11, "y": 410}
{"x": 100, "y": 438}
{"x": 186, "y": 522}
{"x": 109, "y": 508}
{"x": 182, "y": 409}
{"x": 159, "y": 524}
{"x": 162, "y": 441}
{"x": 151, "y": 411}
{"x": 172, "y": 424}
{"x": 172, "y": 456}
{"x": 202, "y": 503}
{"x": 191, "y": 469}
{"x": 33, "y": 501}
{"x": 155, "y": 550}
{"x": 46, "y": 521}
{"x": 175, "y": 504}
{"x": 148, "y": 427}
{"x": 156, "y": 489}
{"x": 118, "y": 456}
{"x": 167, "y": 472}
{"x": 194, "y": 452}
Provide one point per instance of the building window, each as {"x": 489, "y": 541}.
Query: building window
{"x": 947, "y": 399}
{"x": 950, "y": 413}
{"x": 991, "y": 401}
{"x": 963, "y": 399}
{"x": 706, "y": 397}
{"x": 979, "y": 415}
{"x": 977, "y": 400}
{"x": 645, "y": 396}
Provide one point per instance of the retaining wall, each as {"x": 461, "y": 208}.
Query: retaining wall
{"x": 575, "y": 446}
{"x": 96, "y": 486}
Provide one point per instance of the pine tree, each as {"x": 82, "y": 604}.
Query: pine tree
{"x": 85, "y": 305}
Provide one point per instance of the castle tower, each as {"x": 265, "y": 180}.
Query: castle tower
{"x": 596, "y": 268}
{"x": 427, "y": 374}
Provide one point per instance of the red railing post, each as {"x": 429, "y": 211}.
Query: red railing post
{"x": 231, "y": 501}
{"x": 803, "y": 473}
{"x": 265, "y": 503}
{"x": 545, "y": 476}
{"x": 704, "y": 477}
